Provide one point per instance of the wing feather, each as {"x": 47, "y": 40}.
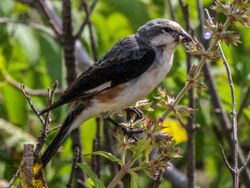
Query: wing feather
{"x": 128, "y": 59}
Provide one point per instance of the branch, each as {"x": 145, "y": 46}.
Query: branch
{"x": 121, "y": 173}
{"x": 45, "y": 131}
{"x": 86, "y": 20}
{"x": 31, "y": 105}
{"x": 177, "y": 179}
{"x": 14, "y": 177}
{"x": 68, "y": 43}
{"x": 26, "y": 167}
{"x": 225, "y": 160}
{"x": 234, "y": 113}
{"x": 91, "y": 33}
{"x": 29, "y": 91}
{"x": 54, "y": 21}
{"x": 246, "y": 162}
{"x": 74, "y": 167}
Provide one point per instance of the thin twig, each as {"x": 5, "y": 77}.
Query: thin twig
{"x": 86, "y": 20}
{"x": 54, "y": 128}
{"x": 31, "y": 105}
{"x": 225, "y": 160}
{"x": 44, "y": 134}
{"x": 74, "y": 167}
{"x": 234, "y": 114}
{"x": 246, "y": 162}
{"x": 33, "y": 92}
{"x": 14, "y": 177}
{"x": 50, "y": 15}
{"x": 91, "y": 33}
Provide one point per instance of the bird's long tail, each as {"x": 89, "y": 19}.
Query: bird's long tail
{"x": 63, "y": 133}
{"x": 54, "y": 105}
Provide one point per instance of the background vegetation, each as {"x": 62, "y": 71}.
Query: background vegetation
{"x": 30, "y": 55}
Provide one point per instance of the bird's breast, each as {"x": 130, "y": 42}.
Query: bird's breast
{"x": 136, "y": 89}
{"x": 141, "y": 86}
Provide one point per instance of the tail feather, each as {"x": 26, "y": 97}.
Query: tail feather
{"x": 63, "y": 133}
{"x": 53, "y": 105}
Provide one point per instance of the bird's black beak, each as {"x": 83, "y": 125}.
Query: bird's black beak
{"x": 184, "y": 37}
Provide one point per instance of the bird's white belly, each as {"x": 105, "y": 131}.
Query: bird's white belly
{"x": 140, "y": 87}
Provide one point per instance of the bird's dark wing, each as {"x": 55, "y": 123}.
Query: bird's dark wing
{"x": 128, "y": 59}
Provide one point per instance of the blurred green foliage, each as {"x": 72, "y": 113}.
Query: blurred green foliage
{"x": 34, "y": 59}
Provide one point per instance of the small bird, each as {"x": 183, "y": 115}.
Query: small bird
{"x": 128, "y": 72}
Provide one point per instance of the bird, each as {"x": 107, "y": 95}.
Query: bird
{"x": 127, "y": 73}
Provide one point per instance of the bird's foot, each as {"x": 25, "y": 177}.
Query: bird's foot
{"x": 134, "y": 115}
{"x": 127, "y": 129}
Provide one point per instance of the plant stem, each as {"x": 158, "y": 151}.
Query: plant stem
{"x": 234, "y": 123}
{"x": 121, "y": 173}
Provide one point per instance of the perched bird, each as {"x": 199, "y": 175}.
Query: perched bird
{"x": 128, "y": 72}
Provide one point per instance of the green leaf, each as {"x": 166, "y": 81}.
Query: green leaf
{"x": 134, "y": 179}
{"x": 14, "y": 104}
{"x": 107, "y": 155}
{"x": 141, "y": 146}
{"x": 85, "y": 167}
{"x": 88, "y": 132}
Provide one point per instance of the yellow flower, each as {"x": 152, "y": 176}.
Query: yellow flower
{"x": 174, "y": 129}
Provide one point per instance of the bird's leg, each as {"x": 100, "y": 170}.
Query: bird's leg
{"x": 134, "y": 111}
{"x": 126, "y": 130}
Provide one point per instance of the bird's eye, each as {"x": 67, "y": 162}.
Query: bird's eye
{"x": 167, "y": 29}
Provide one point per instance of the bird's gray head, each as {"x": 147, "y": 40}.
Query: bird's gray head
{"x": 162, "y": 32}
